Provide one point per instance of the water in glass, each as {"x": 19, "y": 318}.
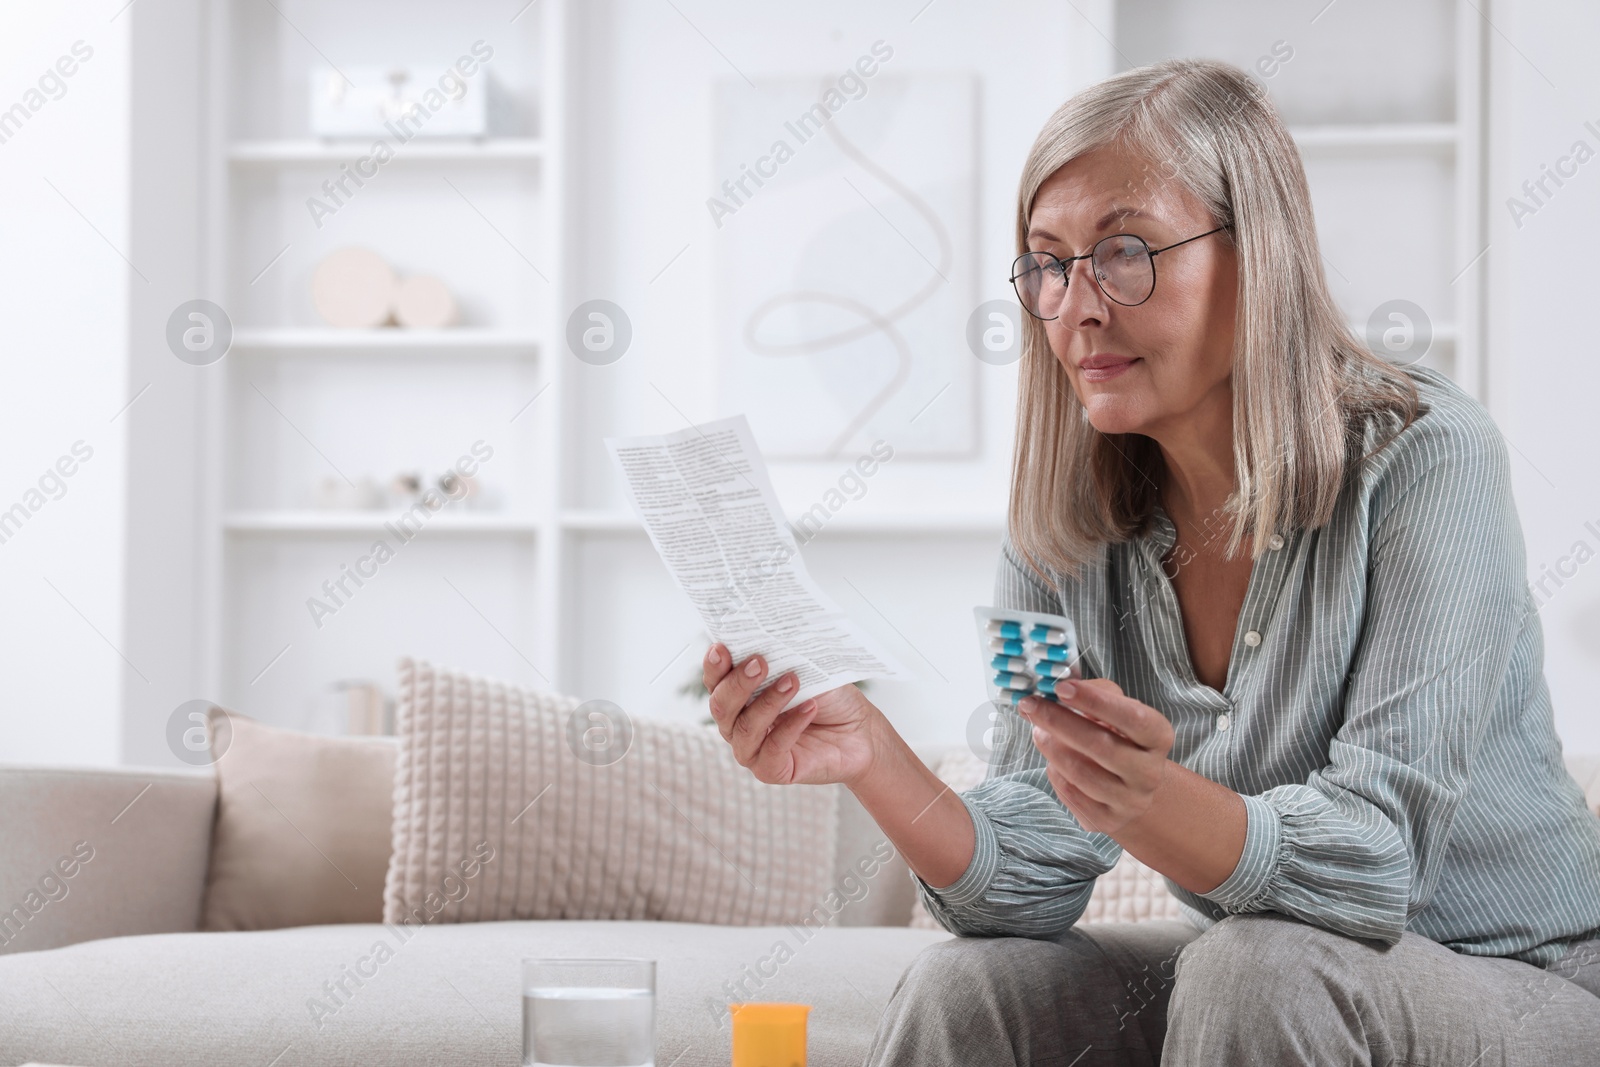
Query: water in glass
{"x": 588, "y": 1025}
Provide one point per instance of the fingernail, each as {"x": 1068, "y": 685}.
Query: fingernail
{"x": 714, "y": 656}
{"x": 786, "y": 685}
{"x": 1065, "y": 688}
{"x": 753, "y": 668}
{"x": 1025, "y": 706}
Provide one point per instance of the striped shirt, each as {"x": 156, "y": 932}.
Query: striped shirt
{"x": 1385, "y": 719}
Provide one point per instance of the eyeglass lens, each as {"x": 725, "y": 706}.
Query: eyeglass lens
{"x": 1122, "y": 267}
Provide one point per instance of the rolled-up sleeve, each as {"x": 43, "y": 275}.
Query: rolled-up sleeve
{"x": 1033, "y": 867}
{"x": 1359, "y": 847}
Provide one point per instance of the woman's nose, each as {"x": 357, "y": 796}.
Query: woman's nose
{"x": 1083, "y": 303}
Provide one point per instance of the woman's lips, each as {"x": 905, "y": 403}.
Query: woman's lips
{"x": 1107, "y": 372}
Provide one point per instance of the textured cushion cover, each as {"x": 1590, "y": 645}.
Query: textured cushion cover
{"x": 1585, "y": 770}
{"x": 673, "y": 829}
{"x": 302, "y": 827}
{"x": 447, "y": 997}
{"x": 1128, "y": 892}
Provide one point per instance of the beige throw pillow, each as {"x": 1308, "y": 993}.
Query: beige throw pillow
{"x": 1128, "y": 892}
{"x": 302, "y": 833}
{"x": 520, "y": 804}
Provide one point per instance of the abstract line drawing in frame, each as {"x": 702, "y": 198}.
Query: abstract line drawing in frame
{"x": 845, "y": 241}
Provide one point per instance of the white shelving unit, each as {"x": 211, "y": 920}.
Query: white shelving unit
{"x": 1390, "y": 125}
{"x": 1401, "y": 135}
{"x": 295, "y": 403}
{"x": 500, "y": 150}
{"x": 594, "y": 521}
{"x": 464, "y": 339}
{"x": 374, "y": 522}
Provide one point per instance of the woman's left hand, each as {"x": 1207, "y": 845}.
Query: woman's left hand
{"x": 1107, "y": 763}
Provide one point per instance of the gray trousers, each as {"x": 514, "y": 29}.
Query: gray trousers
{"x": 1253, "y": 989}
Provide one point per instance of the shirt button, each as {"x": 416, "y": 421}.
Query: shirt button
{"x": 1223, "y": 722}
{"x": 1252, "y": 638}
{"x": 1275, "y": 542}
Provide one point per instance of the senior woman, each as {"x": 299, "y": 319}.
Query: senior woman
{"x": 1322, "y": 714}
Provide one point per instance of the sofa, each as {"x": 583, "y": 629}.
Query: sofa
{"x": 112, "y": 968}
{"x": 106, "y": 965}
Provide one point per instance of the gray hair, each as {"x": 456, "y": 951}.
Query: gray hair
{"x": 1303, "y": 383}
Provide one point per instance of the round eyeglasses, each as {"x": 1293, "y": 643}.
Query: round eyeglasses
{"x": 1124, "y": 267}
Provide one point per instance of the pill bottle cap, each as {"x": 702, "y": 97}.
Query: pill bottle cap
{"x": 769, "y": 1035}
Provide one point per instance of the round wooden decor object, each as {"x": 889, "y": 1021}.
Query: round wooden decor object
{"x": 423, "y": 302}
{"x": 353, "y": 287}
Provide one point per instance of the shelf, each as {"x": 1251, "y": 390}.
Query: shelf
{"x": 373, "y": 522}
{"x": 391, "y": 339}
{"x": 1444, "y": 333}
{"x": 1434, "y": 135}
{"x": 417, "y": 150}
{"x": 602, "y": 521}
{"x": 258, "y": 552}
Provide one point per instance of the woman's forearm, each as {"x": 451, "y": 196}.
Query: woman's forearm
{"x": 1193, "y": 832}
{"x": 925, "y": 819}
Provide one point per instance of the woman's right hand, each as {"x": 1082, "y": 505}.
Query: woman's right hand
{"x": 828, "y": 738}
{"x": 841, "y": 736}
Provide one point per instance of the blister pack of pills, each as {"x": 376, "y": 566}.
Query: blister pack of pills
{"x": 1025, "y": 652}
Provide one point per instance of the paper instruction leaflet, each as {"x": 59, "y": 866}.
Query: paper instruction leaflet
{"x": 708, "y": 504}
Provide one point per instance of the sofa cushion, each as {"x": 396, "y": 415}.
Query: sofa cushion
{"x": 575, "y": 811}
{"x": 302, "y": 833}
{"x": 88, "y": 852}
{"x": 435, "y": 994}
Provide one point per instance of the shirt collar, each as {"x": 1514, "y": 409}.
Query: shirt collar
{"x": 1160, "y": 533}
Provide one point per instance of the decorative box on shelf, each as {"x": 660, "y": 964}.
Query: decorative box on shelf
{"x": 437, "y": 99}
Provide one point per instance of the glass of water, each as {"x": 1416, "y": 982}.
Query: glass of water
{"x": 589, "y": 1012}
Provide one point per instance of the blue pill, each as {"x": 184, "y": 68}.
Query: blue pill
{"x": 1011, "y": 680}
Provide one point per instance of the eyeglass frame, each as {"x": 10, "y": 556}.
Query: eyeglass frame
{"x": 1066, "y": 268}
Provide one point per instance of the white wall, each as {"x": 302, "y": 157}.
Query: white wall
{"x": 643, "y": 161}
{"x": 1544, "y": 372}
{"x": 63, "y": 295}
